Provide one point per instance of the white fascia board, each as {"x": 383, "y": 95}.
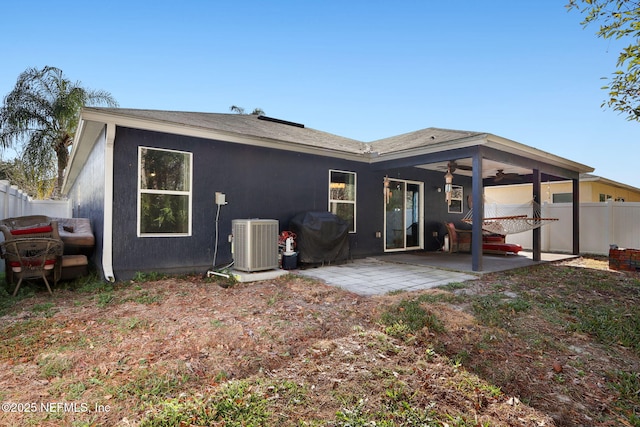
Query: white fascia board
{"x": 466, "y": 142}
{"x": 189, "y": 130}
{"x": 533, "y": 153}
{"x": 86, "y": 137}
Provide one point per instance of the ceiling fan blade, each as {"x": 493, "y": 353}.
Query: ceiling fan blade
{"x": 453, "y": 165}
{"x": 500, "y": 175}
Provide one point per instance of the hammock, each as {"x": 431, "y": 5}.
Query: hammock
{"x": 517, "y": 220}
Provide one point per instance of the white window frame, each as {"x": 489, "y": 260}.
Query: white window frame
{"x": 351, "y": 202}
{"x": 455, "y": 191}
{"x": 142, "y": 191}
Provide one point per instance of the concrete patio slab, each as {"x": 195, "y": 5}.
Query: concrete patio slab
{"x": 405, "y": 271}
{"x": 373, "y": 276}
{"x": 462, "y": 261}
{"x": 415, "y": 271}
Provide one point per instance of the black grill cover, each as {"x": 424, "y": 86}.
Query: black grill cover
{"x": 322, "y": 237}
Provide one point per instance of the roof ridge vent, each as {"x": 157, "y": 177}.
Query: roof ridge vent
{"x": 282, "y": 122}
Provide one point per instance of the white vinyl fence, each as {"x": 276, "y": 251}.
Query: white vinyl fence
{"x": 601, "y": 225}
{"x": 14, "y": 202}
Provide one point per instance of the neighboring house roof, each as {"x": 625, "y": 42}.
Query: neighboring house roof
{"x": 587, "y": 177}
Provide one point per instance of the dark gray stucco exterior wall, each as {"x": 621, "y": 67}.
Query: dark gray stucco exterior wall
{"x": 258, "y": 183}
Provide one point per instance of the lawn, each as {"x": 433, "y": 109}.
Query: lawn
{"x": 552, "y": 345}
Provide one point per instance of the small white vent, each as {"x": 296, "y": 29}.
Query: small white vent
{"x": 255, "y": 244}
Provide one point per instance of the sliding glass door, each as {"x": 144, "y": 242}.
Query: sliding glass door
{"x": 403, "y": 215}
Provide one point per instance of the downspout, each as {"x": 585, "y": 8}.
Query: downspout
{"x": 107, "y": 235}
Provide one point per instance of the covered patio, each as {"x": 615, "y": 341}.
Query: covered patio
{"x": 487, "y": 160}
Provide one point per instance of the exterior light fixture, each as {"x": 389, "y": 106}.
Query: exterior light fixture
{"x": 386, "y": 191}
{"x": 448, "y": 181}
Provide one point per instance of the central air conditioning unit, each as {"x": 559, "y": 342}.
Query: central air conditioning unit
{"x": 255, "y": 244}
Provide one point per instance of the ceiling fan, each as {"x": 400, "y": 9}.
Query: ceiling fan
{"x": 500, "y": 175}
{"x": 452, "y": 166}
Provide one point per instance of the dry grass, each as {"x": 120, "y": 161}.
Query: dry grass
{"x": 506, "y": 350}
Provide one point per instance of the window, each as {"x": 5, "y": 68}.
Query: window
{"x": 164, "y": 192}
{"x": 342, "y": 196}
{"x": 562, "y": 197}
{"x": 456, "y": 199}
{"x": 605, "y": 197}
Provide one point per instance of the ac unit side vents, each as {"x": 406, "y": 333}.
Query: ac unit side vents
{"x": 255, "y": 244}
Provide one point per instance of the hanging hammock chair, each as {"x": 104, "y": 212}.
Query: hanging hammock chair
{"x": 511, "y": 219}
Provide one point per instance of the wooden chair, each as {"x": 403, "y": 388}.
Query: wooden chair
{"x": 459, "y": 240}
{"x": 31, "y": 258}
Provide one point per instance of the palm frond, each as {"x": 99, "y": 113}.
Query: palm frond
{"x": 41, "y": 115}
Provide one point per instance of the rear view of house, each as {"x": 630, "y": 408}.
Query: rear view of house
{"x": 148, "y": 181}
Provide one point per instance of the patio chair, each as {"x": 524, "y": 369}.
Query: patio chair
{"x": 29, "y": 226}
{"x": 459, "y": 240}
{"x": 32, "y": 258}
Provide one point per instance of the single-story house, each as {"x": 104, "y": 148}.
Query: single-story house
{"x": 593, "y": 189}
{"x": 148, "y": 181}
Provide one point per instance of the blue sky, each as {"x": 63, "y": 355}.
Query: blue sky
{"x": 363, "y": 69}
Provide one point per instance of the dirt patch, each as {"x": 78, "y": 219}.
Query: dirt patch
{"x": 128, "y": 348}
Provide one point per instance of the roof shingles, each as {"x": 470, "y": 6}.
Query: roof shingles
{"x": 419, "y": 138}
{"x": 249, "y": 126}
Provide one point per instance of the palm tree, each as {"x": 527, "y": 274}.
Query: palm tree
{"x": 38, "y": 183}
{"x": 240, "y": 110}
{"x": 41, "y": 114}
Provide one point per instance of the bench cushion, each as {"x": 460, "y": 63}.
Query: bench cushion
{"x": 16, "y": 267}
{"x": 502, "y": 247}
{"x": 74, "y": 266}
{"x": 38, "y": 229}
{"x": 73, "y": 260}
{"x": 77, "y": 235}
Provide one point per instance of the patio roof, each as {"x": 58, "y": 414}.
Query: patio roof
{"x": 435, "y": 148}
